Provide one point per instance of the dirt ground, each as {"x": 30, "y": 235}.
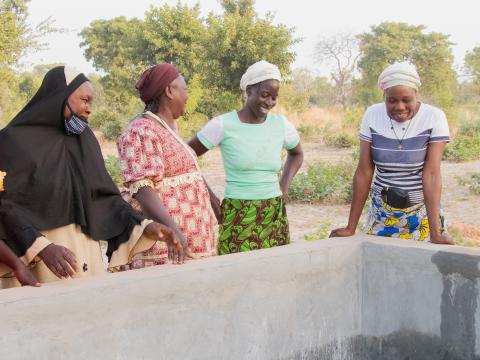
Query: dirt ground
{"x": 460, "y": 207}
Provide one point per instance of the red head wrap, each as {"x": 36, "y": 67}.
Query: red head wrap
{"x": 155, "y": 80}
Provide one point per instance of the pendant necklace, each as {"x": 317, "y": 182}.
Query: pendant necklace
{"x": 400, "y": 141}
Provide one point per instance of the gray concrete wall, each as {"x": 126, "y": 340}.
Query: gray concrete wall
{"x": 355, "y": 298}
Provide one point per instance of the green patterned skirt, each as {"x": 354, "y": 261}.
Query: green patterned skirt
{"x": 252, "y": 224}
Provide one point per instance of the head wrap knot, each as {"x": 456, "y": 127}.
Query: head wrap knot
{"x": 401, "y": 73}
{"x": 258, "y": 72}
{"x": 155, "y": 80}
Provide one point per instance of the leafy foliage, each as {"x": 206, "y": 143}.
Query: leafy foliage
{"x": 466, "y": 144}
{"x": 431, "y": 53}
{"x": 324, "y": 182}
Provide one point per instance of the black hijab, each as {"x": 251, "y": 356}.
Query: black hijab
{"x": 54, "y": 179}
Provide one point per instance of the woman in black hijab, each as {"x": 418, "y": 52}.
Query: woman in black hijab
{"x": 58, "y": 199}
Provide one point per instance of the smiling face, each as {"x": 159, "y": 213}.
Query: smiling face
{"x": 401, "y": 102}
{"x": 80, "y": 101}
{"x": 262, "y": 97}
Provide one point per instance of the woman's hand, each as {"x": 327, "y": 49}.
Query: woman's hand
{"x": 342, "y": 232}
{"x": 441, "y": 239}
{"x": 24, "y": 276}
{"x": 60, "y": 260}
{"x": 177, "y": 245}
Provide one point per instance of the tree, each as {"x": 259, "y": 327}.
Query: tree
{"x": 212, "y": 54}
{"x": 16, "y": 38}
{"x": 390, "y": 42}
{"x": 472, "y": 65}
{"x": 303, "y": 89}
{"x": 340, "y": 50}
{"x": 238, "y": 38}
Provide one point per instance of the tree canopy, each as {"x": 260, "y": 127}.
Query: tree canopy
{"x": 430, "y": 52}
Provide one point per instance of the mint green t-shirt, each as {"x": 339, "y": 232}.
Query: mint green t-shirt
{"x": 251, "y": 153}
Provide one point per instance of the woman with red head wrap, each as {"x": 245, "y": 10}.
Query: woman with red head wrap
{"x": 161, "y": 171}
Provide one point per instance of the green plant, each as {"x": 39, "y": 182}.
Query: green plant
{"x": 113, "y": 168}
{"x": 111, "y": 130}
{"x": 308, "y": 132}
{"x": 321, "y": 233}
{"x": 324, "y": 182}
{"x": 465, "y": 145}
{"x": 455, "y": 235}
{"x": 339, "y": 140}
{"x": 472, "y": 181}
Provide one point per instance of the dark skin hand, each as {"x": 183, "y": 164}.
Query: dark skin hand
{"x": 21, "y": 272}
{"x": 153, "y": 209}
{"x": 60, "y": 260}
{"x": 160, "y": 232}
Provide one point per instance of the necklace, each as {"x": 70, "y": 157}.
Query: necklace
{"x": 400, "y": 141}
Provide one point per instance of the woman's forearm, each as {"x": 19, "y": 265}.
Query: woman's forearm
{"x": 432, "y": 187}
{"x": 153, "y": 208}
{"x": 291, "y": 167}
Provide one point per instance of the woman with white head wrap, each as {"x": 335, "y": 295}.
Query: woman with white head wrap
{"x": 253, "y": 214}
{"x": 401, "y": 142}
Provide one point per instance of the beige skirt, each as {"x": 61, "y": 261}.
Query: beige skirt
{"x": 90, "y": 260}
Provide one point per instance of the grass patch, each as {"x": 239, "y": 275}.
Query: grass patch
{"x": 324, "y": 182}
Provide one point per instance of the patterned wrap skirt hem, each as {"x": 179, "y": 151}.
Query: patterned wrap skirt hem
{"x": 252, "y": 224}
{"x": 410, "y": 223}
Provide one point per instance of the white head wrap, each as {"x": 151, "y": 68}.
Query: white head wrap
{"x": 260, "y": 71}
{"x": 70, "y": 74}
{"x": 401, "y": 73}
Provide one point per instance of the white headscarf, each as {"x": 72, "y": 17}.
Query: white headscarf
{"x": 260, "y": 71}
{"x": 70, "y": 73}
{"x": 401, "y": 73}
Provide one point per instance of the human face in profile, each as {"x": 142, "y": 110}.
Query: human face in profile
{"x": 80, "y": 102}
{"x": 178, "y": 92}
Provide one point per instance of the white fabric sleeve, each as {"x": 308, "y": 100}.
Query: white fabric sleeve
{"x": 365, "y": 131}
{"x": 440, "y": 131}
{"x": 212, "y": 133}
{"x": 291, "y": 138}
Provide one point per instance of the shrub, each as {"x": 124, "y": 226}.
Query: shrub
{"x": 308, "y": 132}
{"x": 324, "y": 182}
{"x": 322, "y": 232}
{"x": 339, "y": 140}
{"x": 472, "y": 181}
{"x": 353, "y": 118}
{"x": 466, "y": 144}
{"x": 111, "y": 130}
{"x": 100, "y": 118}
{"x": 113, "y": 168}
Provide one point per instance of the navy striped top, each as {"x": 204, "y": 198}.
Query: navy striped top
{"x": 399, "y": 149}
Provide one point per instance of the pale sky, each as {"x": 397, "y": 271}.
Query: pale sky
{"x": 311, "y": 19}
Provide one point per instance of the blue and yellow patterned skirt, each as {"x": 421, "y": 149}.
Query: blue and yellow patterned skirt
{"x": 410, "y": 223}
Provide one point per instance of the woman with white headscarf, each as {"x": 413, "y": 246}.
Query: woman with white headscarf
{"x": 253, "y": 214}
{"x": 401, "y": 141}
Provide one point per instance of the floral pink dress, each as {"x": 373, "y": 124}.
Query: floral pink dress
{"x": 153, "y": 155}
